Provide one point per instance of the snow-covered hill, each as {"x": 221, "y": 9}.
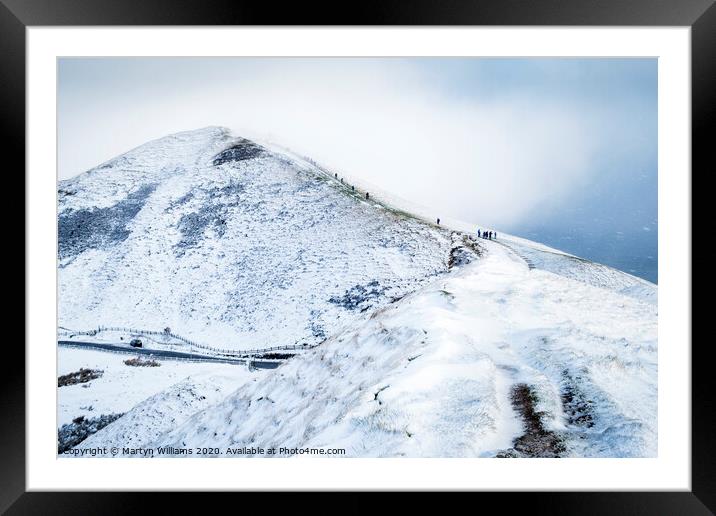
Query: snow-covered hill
{"x": 437, "y": 373}
{"x": 231, "y": 245}
{"x": 432, "y": 343}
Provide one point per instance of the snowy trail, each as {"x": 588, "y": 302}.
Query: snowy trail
{"x": 434, "y": 374}
{"x": 511, "y": 252}
{"x": 425, "y": 348}
{"x": 593, "y": 366}
{"x": 573, "y": 267}
{"x": 528, "y": 262}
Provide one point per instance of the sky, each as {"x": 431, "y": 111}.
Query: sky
{"x": 563, "y": 150}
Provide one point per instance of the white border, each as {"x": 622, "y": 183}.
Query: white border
{"x": 671, "y": 470}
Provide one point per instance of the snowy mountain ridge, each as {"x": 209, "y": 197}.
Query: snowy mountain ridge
{"x": 434, "y": 375}
{"x": 432, "y": 342}
{"x": 232, "y": 245}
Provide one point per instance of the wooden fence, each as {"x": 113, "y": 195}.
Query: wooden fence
{"x": 191, "y": 343}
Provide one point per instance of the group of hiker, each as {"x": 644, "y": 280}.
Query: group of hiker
{"x": 353, "y": 188}
{"x": 487, "y": 234}
{"x": 490, "y": 235}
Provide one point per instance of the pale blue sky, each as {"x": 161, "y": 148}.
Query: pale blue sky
{"x": 561, "y": 150}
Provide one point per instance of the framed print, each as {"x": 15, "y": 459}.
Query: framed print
{"x": 445, "y": 248}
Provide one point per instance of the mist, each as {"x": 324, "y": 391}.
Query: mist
{"x": 505, "y": 143}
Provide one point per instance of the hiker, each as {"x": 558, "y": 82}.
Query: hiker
{"x": 353, "y": 188}
{"x": 478, "y": 234}
{"x": 367, "y": 195}
{"x": 336, "y": 175}
{"x": 438, "y": 221}
{"x": 495, "y": 235}
{"x": 490, "y": 237}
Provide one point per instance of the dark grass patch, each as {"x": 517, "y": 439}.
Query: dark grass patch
{"x": 213, "y": 213}
{"x": 243, "y": 150}
{"x": 359, "y": 297}
{"x": 140, "y": 362}
{"x": 536, "y": 441}
{"x": 98, "y": 228}
{"x": 81, "y": 376}
{"x": 72, "y": 434}
{"x": 184, "y": 199}
{"x": 578, "y": 408}
{"x": 315, "y": 327}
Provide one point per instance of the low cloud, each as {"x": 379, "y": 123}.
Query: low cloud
{"x": 493, "y": 161}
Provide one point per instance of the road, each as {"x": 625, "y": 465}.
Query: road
{"x": 160, "y": 353}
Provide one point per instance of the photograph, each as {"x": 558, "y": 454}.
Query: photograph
{"x": 421, "y": 249}
{"x": 357, "y": 257}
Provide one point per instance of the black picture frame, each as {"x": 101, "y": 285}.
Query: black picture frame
{"x": 700, "y": 15}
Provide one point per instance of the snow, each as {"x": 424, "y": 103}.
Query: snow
{"x": 121, "y": 387}
{"x": 415, "y": 358}
{"x": 246, "y": 254}
{"x": 169, "y": 408}
{"x": 543, "y": 257}
{"x": 429, "y": 376}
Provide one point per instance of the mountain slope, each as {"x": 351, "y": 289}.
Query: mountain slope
{"x": 231, "y": 245}
{"x": 432, "y": 343}
{"x": 435, "y": 375}
{"x": 596, "y": 274}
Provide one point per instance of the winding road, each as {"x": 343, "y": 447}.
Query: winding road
{"x": 172, "y": 355}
